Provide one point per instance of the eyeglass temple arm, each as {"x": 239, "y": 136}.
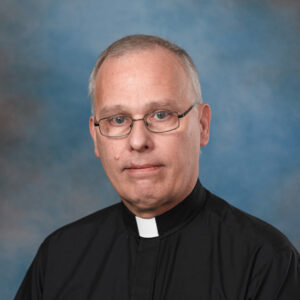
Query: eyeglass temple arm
{"x": 186, "y": 112}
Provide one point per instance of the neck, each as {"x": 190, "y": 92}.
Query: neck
{"x": 167, "y": 222}
{"x": 150, "y": 212}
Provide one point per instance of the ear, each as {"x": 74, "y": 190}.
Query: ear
{"x": 204, "y": 119}
{"x": 93, "y": 133}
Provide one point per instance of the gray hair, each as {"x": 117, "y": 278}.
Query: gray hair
{"x": 144, "y": 42}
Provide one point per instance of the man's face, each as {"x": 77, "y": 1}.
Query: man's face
{"x": 151, "y": 172}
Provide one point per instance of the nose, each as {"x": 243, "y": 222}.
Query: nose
{"x": 140, "y": 138}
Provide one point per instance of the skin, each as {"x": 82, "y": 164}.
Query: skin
{"x": 152, "y": 172}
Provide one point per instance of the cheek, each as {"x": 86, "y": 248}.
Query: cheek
{"x": 190, "y": 147}
{"x": 181, "y": 150}
{"x": 110, "y": 154}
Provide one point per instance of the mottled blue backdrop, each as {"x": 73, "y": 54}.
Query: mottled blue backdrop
{"x": 248, "y": 57}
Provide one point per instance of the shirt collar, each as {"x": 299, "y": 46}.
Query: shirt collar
{"x": 169, "y": 221}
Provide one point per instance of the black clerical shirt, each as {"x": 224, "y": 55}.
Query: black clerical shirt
{"x": 206, "y": 249}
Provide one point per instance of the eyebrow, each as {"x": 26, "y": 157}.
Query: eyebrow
{"x": 166, "y": 104}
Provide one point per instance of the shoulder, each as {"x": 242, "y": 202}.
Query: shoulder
{"x": 100, "y": 223}
{"x": 251, "y": 231}
{"x": 254, "y": 251}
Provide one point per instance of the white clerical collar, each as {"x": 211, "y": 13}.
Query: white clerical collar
{"x": 147, "y": 227}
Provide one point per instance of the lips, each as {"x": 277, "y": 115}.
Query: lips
{"x": 143, "y": 167}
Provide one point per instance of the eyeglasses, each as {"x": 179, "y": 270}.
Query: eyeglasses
{"x": 158, "y": 121}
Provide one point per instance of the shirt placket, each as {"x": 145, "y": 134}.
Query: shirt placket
{"x": 144, "y": 275}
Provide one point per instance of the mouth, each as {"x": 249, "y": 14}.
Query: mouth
{"x": 143, "y": 168}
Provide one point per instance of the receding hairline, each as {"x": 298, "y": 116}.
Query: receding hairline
{"x": 134, "y": 51}
{"x": 140, "y": 51}
{"x": 137, "y": 43}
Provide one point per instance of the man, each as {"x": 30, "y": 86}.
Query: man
{"x": 169, "y": 238}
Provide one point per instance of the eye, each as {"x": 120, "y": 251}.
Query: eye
{"x": 161, "y": 115}
{"x": 118, "y": 120}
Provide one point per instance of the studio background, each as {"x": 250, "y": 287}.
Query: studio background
{"x": 248, "y": 57}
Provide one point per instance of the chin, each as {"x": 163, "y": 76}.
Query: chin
{"x": 144, "y": 200}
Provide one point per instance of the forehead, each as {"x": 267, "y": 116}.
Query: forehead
{"x": 138, "y": 78}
